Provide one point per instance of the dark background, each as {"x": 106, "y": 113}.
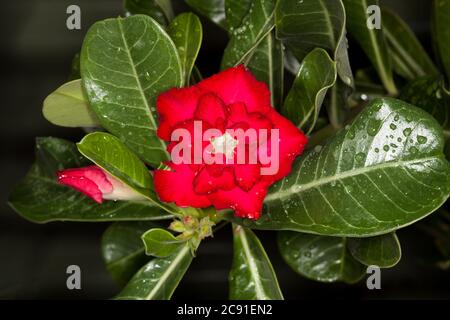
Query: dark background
{"x": 35, "y": 56}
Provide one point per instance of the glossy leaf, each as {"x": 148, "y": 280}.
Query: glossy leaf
{"x": 252, "y": 276}
{"x": 67, "y": 106}
{"x": 152, "y": 8}
{"x": 366, "y": 180}
{"x": 123, "y": 250}
{"x": 441, "y": 32}
{"x": 40, "y": 198}
{"x": 309, "y": 24}
{"x": 235, "y": 11}
{"x": 410, "y": 59}
{"x": 186, "y": 32}
{"x": 383, "y": 251}
{"x": 158, "y": 279}
{"x": 320, "y": 258}
{"x": 371, "y": 40}
{"x": 109, "y": 153}
{"x": 316, "y": 75}
{"x": 125, "y": 65}
{"x": 254, "y": 28}
{"x": 214, "y": 10}
{"x": 429, "y": 94}
{"x": 75, "y": 68}
{"x": 266, "y": 58}
{"x": 336, "y": 102}
{"x": 160, "y": 243}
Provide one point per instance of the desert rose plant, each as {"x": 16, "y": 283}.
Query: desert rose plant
{"x": 285, "y": 137}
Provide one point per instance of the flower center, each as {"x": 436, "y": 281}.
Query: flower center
{"x": 224, "y": 144}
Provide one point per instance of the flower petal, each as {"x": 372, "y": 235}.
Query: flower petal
{"x": 205, "y": 183}
{"x": 175, "y": 106}
{"x": 210, "y": 109}
{"x": 247, "y": 175}
{"x": 176, "y": 185}
{"x": 239, "y": 85}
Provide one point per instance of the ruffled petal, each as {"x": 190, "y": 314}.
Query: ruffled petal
{"x": 239, "y": 85}
{"x": 211, "y": 109}
{"x": 247, "y": 175}
{"x": 205, "y": 183}
{"x": 175, "y": 106}
{"x": 246, "y": 204}
{"x": 177, "y": 185}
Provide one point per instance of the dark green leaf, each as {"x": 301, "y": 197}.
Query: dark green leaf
{"x": 40, "y": 198}
{"x": 186, "y": 32}
{"x": 308, "y": 24}
{"x": 410, "y": 59}
{"x": 235, "y": 11}
{"x": 160, "y": 243}
{"x": 441, "y": 32}
{"x": 383, "y": 251}
{"x": 372, "y": 41}
{"x": 158, "y": 279}
{"x": 214, "y": 10}
{"x": 245, "y": 39}
{"x": 252, "y": 276}
{"x": 366, "y": 180}
{"x": 123, "y": 250}
{"x": 152, "y": 8}
{"x": 67, "y": 106}
{"x": 428, "y": 93}
{"x": 320, "y": 258}
{"x": 125, "y": 64}
{"x": 316, "y": 75}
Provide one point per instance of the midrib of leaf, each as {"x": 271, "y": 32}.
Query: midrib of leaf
{"x": 410, "y": 61}
{"x": 126, "y": 257}
{"x": 328, "y": 23}
{"x": 138, "y": 82}
{"x": 166, "y": 274}
{"x": 340, "y": 176}
{"x": 390, "y": 86}
{"x": 260, "y": 294}
{"x": 69, "y": 96}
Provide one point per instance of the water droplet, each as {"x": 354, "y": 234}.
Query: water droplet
{"x": 373, "y": 127}
{"x": 386, "y": 147}
{"x": 317, "y": 148}
{"x": 397, "y": 117}
{"x": 407, "y": 132}
{"x": 413, "y": 150}
{"x": 399, "y": 139}
{"x": 421, "y": 139}
{"x": 392, "y": 126}
{"x": 360, "y": 157}
{"x": 377, "y": 150}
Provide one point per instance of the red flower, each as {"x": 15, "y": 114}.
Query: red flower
{"x": 232, "y": 99}
{"x": 97, "y": 184}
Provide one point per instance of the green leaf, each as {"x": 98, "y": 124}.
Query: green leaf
{"x": 109, "y": 153}
{"x": 441, "y": 32}
{"x": 40, "y": 198}
{"x": 160, "y": 243}
{"x": 316, "y": 75}
{"x": 122, "y": 249}
{"x": 309, "y": 24}
{"x": 158, "y": 279}
{"x": 366, "y": 180}
{"x": 320, "y": 258}
{"x": 252, "y": 276}
{"x": 383, "y": 251}
{"x": 186, "y": 32}
{"x": 429, "y": 94}
{"x": 125, "y": 65}
{"x": 372, "y": 41}
{"x": 214, "y": 10}
{"x": 336, "y": 102}
{"x": 244, "y": 41}
{"x": 67, "y": 106}
{"x": 410, "y": 59}
{"x": 235, "y": 11}
{"x": 152, "y": 8}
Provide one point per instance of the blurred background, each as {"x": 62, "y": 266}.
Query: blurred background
{"x": 35, "y": 56}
